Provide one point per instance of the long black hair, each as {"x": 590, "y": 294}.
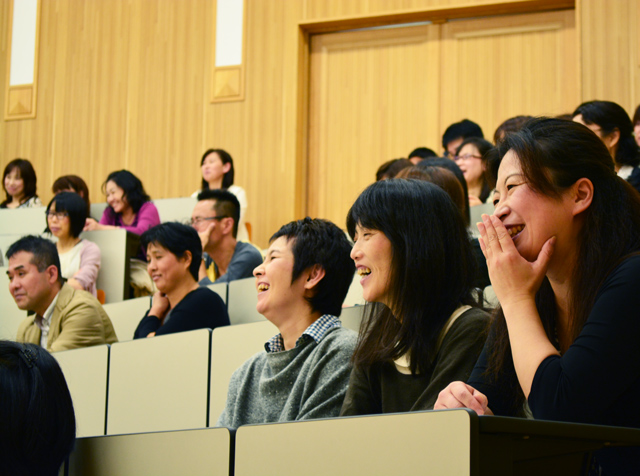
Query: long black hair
{"x": 28, "y": 176}
{"x": 432, "y": 269}
{"x": 131, "y": 185}
{"x": 553, "y": 155}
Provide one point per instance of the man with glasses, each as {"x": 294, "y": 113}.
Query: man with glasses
{"x": 456, "y": 133}
{"x": 215, "y": 217}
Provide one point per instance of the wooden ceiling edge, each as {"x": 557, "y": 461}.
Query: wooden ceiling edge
{"x": 435, "y": 15}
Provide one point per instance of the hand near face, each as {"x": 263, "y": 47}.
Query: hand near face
{"x": 90, "y": 225}
{"x": 461, "y": 395}
{"x": 159, "y": 305}
{"x": 513, "y": 278}
{"x": 206, "y": 234}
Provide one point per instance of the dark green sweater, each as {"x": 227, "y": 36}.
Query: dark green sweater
{"x": 383, "y": 389}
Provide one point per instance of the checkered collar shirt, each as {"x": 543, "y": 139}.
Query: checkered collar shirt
{"x": 315, "y": 331}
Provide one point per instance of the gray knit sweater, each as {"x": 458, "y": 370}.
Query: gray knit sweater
{"x": 306, "y": 382}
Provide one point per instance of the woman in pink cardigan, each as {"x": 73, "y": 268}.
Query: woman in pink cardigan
{"x": 79, "y": 258}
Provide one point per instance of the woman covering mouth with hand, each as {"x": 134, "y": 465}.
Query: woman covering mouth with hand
{"x": 426, "y": 328}
{"x": 562, "y": 251}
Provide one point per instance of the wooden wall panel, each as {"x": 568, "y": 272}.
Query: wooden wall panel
{"x": 125, "y": 84}
{"x": 611, "y": 51}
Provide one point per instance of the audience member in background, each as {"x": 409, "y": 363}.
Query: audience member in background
{"x": 421, "y": 153}
{"x": 173, "y": 255}
{"x": 452, "y": 167}
{"x": 513, "y": 124}
{"x": 79, "y": 258}
{"x": 426, "y": 328}
{"x": 38, "y": 427}
{"x": 456, "y": 133}
{"x": 562, "y": 250}
{"x": 636, "y": 125}
{"x": 19, "y": 182}
{"x": 471, "y": 159}
{"x": 73, "y": 183}
{"x": 303, "y": 372}
{"x": 215, "y": 217}
{"x": 65, "y": 318}
{"x": 611, "y": 123}
{"x": 447, "y": 181}
{"x": 390, "y": 168}
{"x": 217, "y": 172}
{"x": 130, "y": 208}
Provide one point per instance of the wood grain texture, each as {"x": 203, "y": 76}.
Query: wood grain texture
{"x": 126, "y": 84}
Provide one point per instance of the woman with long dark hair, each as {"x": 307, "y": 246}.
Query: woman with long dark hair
{"x": 425, "y": 328}
{"x": 562, "y": 249}
{"x": 217, "y": 170}
{"x": 20, "y": 183}
{"x": 611, "y": 123}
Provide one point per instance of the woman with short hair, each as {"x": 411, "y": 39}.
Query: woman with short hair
{"x": 174, "y": 253}
{"x": 425, "y": 328}
{"x": 79, "y": 258}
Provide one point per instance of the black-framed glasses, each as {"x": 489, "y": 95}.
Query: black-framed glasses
{"x": 58, "y": 215}
{"x": 197, "y": 220}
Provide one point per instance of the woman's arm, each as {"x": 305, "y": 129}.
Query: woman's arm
{"x": 515, "y": 282}
{"x": 361, "y": 398}
{"x": 87, "y": 275}
{"x": 147, "y": 217}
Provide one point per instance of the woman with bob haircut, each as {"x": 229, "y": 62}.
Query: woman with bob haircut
{"x": 562, "y": 251}
{"x": 38, "y": 422}
{"x": 79, "y": 258}
{"x": 20, "y": 183}
{"x": 611, "y": 123}
{"x": 471, "y": 159}
{"x": 425, "y": 328}
{"x": 217, "y": 170}
{"x": 129, "y": 205}
{"x": 75, "y": 184}
{"x": 174, "y": 253}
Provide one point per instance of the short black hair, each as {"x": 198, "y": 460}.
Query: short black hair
{"x": 321, "y": 242}
{"x": 178, "y": 239}
{"x": 390, "y": 168}
{"x": 636, "y": 116}
{"x": 422, "y": 152}
{"x": 227, "y": 205}
{"x": 44, "y": 252}
{"x": 38, "y": 422}
{"x": 461, "y": 130}
{"x": 74, "y": 206}
{"x": 131, "y": 186}
{"x": 28, "y": 176}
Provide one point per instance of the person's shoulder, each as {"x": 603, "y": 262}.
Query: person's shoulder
{"x": 339, "y": 337}
{"x": 252, "y": 365}
{"x": 90, "y": 247}
{"x": 205, "y": 295}
{"x": 148, "y": 206}
{"x": 628, "y": 269}
{"x": 475, "y": 314}
{"x": 248, "y": 249}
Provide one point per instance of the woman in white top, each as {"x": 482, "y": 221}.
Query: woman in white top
{"x": 19, "y": 182}
{"x": 217, "y": 172}
{"x": 79, "y": 258}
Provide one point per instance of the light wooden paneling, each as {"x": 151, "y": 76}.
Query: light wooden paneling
{"x": 374, "y": 96}
{"x": 127, "y": 84}
{"x": 610, "y": 38}
{"x": 497, "y": 68}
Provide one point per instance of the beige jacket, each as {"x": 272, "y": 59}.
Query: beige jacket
{"x": 78, "y": 320}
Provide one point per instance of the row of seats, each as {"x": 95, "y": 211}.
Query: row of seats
{"x": 438, "y": 443}
{"x": 171, "y": 382}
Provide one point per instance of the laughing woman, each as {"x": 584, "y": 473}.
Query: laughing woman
{"x": 562, "y": 249}
{"x": 425, "y": 329}
{"x": 174, "y": 253}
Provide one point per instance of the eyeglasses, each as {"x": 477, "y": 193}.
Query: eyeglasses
{"x": 197, "y": 220}
{"x": 466, "y": 157}
{"x": 57, "y": 215}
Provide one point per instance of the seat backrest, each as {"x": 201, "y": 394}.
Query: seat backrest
{"x": 242, "y": 301}
{"x": 175, "y": 209}
{"x": 354, "y": 295}
{"x": 231, "y": 346}
{"x": 204, "y": 452}
{"x": 113, "y": 261}
{"x": 412, "y": 444}
{"x": 126, "y": 315}
{"x": 351, "y": 317}
{"x": 23, "y": 221}
{"x": 220, "y": 289}
{"x": 159, "y": 384}
{"x": 86, "y": 371}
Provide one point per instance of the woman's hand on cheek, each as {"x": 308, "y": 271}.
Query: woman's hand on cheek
{"x": 514, "y": 279}
{"x": 159, "y": 305}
